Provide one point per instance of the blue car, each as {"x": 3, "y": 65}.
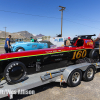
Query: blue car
{"x": 25, "y": 46}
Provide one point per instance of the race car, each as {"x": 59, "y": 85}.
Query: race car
{"x": 15, "y": 66}
{"x": 19, "y": 46}
{"x": 81, "y": 37}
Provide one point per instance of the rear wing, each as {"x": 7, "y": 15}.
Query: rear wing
{"x": 86, "y": 36}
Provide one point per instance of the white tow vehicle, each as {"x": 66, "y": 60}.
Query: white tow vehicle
{"x": 72, "y": 75}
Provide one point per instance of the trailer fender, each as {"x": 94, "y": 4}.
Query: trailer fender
{"x": 68, "y": 70}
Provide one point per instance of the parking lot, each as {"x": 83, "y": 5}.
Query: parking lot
{"x": 53, "y": 91}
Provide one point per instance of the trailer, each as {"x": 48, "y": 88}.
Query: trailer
{"x": 72, "y": 75}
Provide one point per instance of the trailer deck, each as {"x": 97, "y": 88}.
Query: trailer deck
{"x": 42, "y": 78}
{"x": 31, "y": 81}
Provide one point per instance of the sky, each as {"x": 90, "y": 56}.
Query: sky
{"x": 81, "y": 17}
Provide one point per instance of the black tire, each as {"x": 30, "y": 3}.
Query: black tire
{"x": 20, "y": 48}
{"x": 96, "y": 44}
{"x": 72, "y": 81}
{"x": 89, "y": 73}
{"x": 15, "y": 72}
{"x": 94, "y": 54}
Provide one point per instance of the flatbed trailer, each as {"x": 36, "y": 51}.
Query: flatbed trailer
{"x": 71, "y": 75}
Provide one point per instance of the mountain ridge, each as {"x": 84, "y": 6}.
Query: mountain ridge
{"x": 20, "y": 34}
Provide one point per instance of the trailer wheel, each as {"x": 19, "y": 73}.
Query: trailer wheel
{"x": 15, "y": 72}
{"x": 89, "y": 73}
{"x": 74, "y": 78}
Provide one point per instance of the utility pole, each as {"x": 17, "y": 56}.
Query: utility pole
{"x": 5, "y": 32}
{"x": 62, "y": 8}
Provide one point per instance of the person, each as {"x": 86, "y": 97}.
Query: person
{"x": 35, "y": 40}
{"x": 68, "y": 42}
{"x": 7, "y": 44}
{"x": 32, "y": 40}
{"x": 79, "y": 37}
{"x": 98, "y": 39}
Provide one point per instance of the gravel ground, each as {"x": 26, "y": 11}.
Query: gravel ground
{"x": 2, "y": 50}
{"x": 53, "y": 91}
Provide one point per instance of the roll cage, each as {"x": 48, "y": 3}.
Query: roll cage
{"x": 79, "y": 43}
{"x": 82, "y": 37}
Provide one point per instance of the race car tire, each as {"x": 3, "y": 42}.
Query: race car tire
{"x": 19, "y": 49}
{"x": 96, "y": 44}
{"x": 89, "y": 73}
{"x": 15, "y": 72}
{"x": 94, "y": 54}
{"x": 74, "y": 78}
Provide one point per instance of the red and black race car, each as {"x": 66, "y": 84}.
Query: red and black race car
{"x": 15, "y": 66}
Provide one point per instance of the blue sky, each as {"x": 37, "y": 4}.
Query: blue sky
{"x": 80, "y": 17}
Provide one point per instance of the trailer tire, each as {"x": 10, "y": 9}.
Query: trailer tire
{"x": 74, "y": 78}
{"x": 15, "y": 72}
{"x": 89, "y": 73}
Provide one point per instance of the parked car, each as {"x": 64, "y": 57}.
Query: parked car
{"x": 48, "y": 42}
{"x": 39, "y": 39}
{"x": 19, "y": 46}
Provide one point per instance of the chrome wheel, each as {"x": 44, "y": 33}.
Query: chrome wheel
{"x": 90, "y": 73}
{"x": 76, "y": 77}
{"x": 19, "y": 50}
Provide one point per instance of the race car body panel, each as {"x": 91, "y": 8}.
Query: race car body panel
{"x": 50, "y": 58}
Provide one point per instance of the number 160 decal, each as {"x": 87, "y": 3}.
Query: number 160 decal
{"x": 79, "y": 54}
